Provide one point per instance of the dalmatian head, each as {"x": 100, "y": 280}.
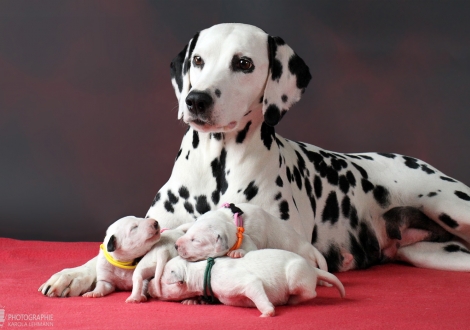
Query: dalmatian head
{"x": 230, "y": 71}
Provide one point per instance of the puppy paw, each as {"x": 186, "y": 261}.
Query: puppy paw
{"x": 93, "y": 294}
{"x": 134, "y": 300}
{"x": 268, "y": 313}
{"x": 192, "y": 301}
{"x": 236, "y": 254}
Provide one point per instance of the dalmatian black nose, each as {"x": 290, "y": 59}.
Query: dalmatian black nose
{"x": 199, "y": 102}
{"x": 156, "y": 225}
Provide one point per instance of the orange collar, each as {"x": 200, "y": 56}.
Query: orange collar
{"x": 239, "y": 241}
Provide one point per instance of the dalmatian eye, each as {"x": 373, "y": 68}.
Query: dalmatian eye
{"x": 245, "y": 65}
{"x": 198, "y": 61}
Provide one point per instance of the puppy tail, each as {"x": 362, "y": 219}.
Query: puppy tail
{"x": 332, "y": 279}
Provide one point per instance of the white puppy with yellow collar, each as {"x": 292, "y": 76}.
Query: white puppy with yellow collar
{"x": 127, "y": 240}
{"x": 262, "y": 279}
{"x": 216, "y": 233}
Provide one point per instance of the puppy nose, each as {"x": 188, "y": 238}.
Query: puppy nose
{"x": 156, "y": 225}
{"x": 199, "y": 102}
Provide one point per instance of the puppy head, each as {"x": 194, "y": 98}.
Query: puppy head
{"x": 130, "y": 237}
{"x": 174, "y": 281}
{"x": 212, "y": 235}
{"x": 230, "y": 73}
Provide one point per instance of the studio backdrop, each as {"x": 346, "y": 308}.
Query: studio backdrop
{"x": 88, "y": 115}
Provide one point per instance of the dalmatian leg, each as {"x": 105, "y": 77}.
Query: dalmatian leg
{"x": 444, "y": 256}
{"x": 451, "y": 210}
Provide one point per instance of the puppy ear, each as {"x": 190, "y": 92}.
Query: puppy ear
{"x": 287, "y": 79}
{"x": 177, "y": 277}
{"x": 179, "y": 70}
{"x": 111, "y": 244}
{"x": 222, "y": 242}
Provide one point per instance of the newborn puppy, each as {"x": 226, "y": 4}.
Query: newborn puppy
{"x": 127, "y": 240}
{"x": 215, "y": 234}
{"x": 153, "y": 263}
{"x": 261, "y": 279}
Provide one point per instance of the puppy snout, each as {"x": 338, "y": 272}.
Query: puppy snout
{"x": 199, "y": 103}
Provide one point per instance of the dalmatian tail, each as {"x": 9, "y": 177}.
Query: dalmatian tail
{"x": 331, "y": 279}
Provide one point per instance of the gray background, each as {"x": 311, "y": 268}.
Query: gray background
{"x": 88, "y": 127}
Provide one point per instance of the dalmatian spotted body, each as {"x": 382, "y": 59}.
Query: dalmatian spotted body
{"x": 234, "y": 83}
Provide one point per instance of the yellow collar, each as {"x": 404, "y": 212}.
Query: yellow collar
{"x": 121, "y": 264}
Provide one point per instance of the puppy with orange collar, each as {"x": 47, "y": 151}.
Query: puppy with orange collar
{"x": 217, "y": 233}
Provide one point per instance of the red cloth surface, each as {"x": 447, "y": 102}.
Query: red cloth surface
{"x": 384, "y": 297}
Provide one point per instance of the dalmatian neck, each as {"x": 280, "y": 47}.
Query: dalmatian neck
{"x": 232, "y": 164}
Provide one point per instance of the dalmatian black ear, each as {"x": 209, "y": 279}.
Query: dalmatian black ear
{"x": 111, "y": 246}
{"x": 287, "y": 79}
{"x": 179, "y": 69}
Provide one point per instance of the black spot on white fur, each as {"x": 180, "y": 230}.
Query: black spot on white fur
{"x": 202, "y": 205}
{"x": 187, "y": 63}
{"x": 172, "y": 198}
{"x": 455, "y": 248}
{"x": 188, "y": 207}
{"x": 333, "y": 257}
{"x": 250, "y": 191}
{"x": 267, "y": 135}
{"x": 426, "y": 169}
{"x": 279, "y": 181}
{"x": 462, "y": 195}
{"x": 445, "y": 178}
{"x": 331, "y": 210}
{"x": 178, "y": 155}
{"x": 366, "y": 185}
{"x": 169, "y": 207}
{"x": 272, "y": 115}
{"x": 242, "y": 134}
{"x": 218, "y": 172}
{"x": 195, "y": 139}
{"x": 156, "y": 198}
{"x": 284, "y": 210}
{"x": 217, "y": 92}
{"x": 176, "y": 68}
{"x": 317, "y": 185}
{"x": 366, "y": 250}
{"x": 298, "y": 68}
{"x": 446, "y": 219}
{"x": 351, "y": 178}
{"x": 361, "y": 170}
{"x": 382, "y": 196}
{"x": 411, "y": 162}
{"x": 388, "y": 155}
{"x": 343, "y": 184}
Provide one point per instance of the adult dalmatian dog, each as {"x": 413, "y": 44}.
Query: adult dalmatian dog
{"x": 234, "y": 83}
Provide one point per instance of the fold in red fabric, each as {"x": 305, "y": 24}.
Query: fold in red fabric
{"x": 391, "y": 296}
